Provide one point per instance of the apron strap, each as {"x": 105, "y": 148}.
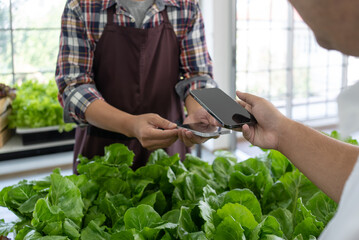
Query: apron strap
{"x": 110, "y": 12}
{"x": 165, "y": 16}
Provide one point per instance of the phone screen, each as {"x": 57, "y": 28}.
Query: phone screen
{"x": 205, "y": 130}
{"x": 222, "y": 107}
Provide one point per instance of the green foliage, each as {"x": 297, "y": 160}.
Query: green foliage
{"x": 336, "y": 135}
{"x": 261, "y": 198}
{"x": 36, "y": 105}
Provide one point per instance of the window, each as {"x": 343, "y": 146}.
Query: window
{"x": 29, "y": 39}
{"x": 278, "y": 58}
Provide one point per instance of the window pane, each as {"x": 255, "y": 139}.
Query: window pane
{"x": 270, "y": 85}
{"x": 317, "y": 111}
{"x": 254, "y": 54}
{"x": 334, "y": 81}
{"x": 280, "y": 12}
{"x": 28, "y": 14}
{"x": 353, "y": 70}
{"x": 332, "y": 109}
{"x": 303, "y": 47}
{"x": 241, "y": 81}
{"x": 259, "y": 10}
{"x": 278, "y": 49}
{"x": 307, "y": 52}
{"x": 316, "y": 84}
{"x": 262, "y": 58}
{"x": 300, "y": 113}
{"x": 324, "y": 82}
{"x": 242, "y": 10}
{"x": 7, "y": 79}
{"x": 257, "y": 56}
{"x": 255, "y": 83}
{"x": 5, "y": 52}
{"x": 298, "y": 21}
{"x": 310, "y": 83}
{"x": 4, "y": 14}
{"x": 242, "y": 51}
{"x": 278, "y": 87}
{"x": 314, "y": 111}
{"x": 335, "y": 58}
{"x": 301, "y": 79}
{"x": 252, "y": 14}
{"x": 43, "y": 77}
{"x": 36, "y": 50}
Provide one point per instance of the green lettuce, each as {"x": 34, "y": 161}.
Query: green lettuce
{"x": 264, "y": 197}
{"x": 36, "y": 105}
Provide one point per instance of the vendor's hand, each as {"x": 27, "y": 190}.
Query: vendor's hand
{"x": 188, "y": 137}
{"x": 154, "y": 132}
{"x": 265, "y": 133}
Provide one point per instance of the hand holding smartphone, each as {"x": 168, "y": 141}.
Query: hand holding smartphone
{"x": 223, "y": 108}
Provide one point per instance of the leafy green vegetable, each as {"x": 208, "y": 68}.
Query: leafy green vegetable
{"x": 36, "y": 105}
{"x": 268, "y": 228}
{"x": 322, "y": 207}
{"x": 6, "y": 228}
{"x": 246, "y": 198}
{"x": 261, "y": 198}
{"x": 285, "y": 219}
{"x": 229, "y": 229}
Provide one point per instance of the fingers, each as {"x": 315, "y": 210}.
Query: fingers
{"x": 247, "y": 98}
{"x": 244, "y": 104}
{"x": 160, "y": 122}
{"x": 214, "y": 122}
{"x": 159, "y": 134}
{"x": 190, "y": 139}
{"x": 154, "y": 139}
{"x": 185, "y": 137}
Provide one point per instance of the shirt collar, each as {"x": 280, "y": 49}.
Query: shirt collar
{"x": 160, "y": 3}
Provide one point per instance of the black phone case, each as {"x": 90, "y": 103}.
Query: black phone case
{"x": 222, "y": 107}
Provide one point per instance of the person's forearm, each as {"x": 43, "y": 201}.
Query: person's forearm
{"x": 325, "y": 161}
{"x": 103, "y": 115}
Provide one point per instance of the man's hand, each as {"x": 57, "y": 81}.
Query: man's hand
{"x": 153, "y": 131}
{"x": 266, "y": 132}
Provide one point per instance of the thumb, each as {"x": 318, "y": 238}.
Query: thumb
{"x": 246, "y": 131}
{"x": 247, "y": 98}
{"x": 213, "y": 121}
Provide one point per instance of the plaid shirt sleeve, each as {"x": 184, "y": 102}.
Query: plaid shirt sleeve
{"x": 74, "y": 75}
{"x": 196, "y": 64}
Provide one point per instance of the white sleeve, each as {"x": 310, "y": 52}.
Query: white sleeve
{"x": 345, "y": 223}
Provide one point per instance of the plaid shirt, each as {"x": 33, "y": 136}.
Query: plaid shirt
{"x": 83, "y": 22}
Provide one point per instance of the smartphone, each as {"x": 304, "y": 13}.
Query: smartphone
{"x": 205, "y": 130}
{"x": 223, "y": 108}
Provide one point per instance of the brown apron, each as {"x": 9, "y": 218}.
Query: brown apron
{"x": 135, "y": 70}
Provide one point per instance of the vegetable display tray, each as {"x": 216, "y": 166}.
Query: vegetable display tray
{"x": 43, "y": 135}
